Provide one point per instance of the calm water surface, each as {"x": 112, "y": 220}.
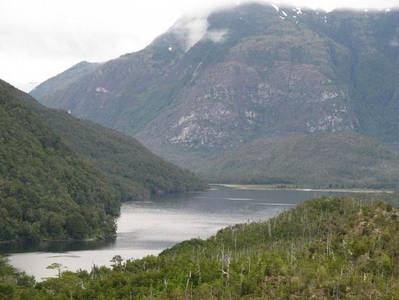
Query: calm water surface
{"x": 149, "y": 227}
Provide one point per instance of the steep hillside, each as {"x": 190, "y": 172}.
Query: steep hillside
{"x": 257, "y": 73}
{"x": 328, "y": 248}
{"x": 61, "y": 177}
{"x": 47, "y": 191}
{"x": 132, "y": 169}
{"x": 373, "y": 42}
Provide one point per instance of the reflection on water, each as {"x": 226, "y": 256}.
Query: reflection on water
{"x": 57, "y": 246}
{"x": 149, "y": 227}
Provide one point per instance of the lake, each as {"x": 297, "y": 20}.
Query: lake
{"x": 149, "y": 227}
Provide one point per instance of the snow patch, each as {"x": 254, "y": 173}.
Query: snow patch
{"x": 275, "y": 7}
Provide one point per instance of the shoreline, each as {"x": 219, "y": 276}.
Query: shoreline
{"x": 274, "y": 187}
{"x": 91, "y": 239}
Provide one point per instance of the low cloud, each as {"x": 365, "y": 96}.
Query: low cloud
{"x": 40, "y": 38}
{"x": 192, "y": 29}
{"x": 216, "y": 36}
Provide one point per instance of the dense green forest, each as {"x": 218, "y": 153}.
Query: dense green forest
{"x": 63, "y": 178}
{"x": 46, "y": 189}
{"x": 327, "y": 248}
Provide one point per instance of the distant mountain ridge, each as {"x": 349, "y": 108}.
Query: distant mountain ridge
{"x": 258, "y": 73}
{"x": 63, "y": 80}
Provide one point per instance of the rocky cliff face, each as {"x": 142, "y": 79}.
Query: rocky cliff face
{"x": 251, "y": 72}
{"x": 275, "y": 78}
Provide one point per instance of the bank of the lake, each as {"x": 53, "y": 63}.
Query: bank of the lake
{"x": 303, "y": 189}
{"x": 149, "y": 227}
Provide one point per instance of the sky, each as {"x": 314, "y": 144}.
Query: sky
{"x": 41, "y": 38}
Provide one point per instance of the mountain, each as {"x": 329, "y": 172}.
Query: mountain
{"x": 63, "y": 80}
{"x": 132, "y": 169}
{"x": 61, "y": 177}
{"x": 250, "y": 76}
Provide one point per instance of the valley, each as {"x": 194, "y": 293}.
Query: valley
{"x": 248, "y": 153}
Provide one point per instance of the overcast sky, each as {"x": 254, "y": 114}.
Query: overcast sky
{"x": 41, "y": 38}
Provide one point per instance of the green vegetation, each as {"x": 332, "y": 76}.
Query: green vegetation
{"x": 47, "y": 191}
{"x": 327, "y": 248}
{"x": 63, "y": 178}
{"x": 320, "y": 160}
{"x": 132, "y": 169}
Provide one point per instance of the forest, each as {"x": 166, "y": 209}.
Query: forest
{"x": 62, "y": 178}
{"x": 325, "y": 248}
{"x": 47, "y": 191}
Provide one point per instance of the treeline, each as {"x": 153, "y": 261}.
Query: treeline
{"x": 327, "y": 248}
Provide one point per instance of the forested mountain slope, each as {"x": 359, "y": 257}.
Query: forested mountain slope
{"x": 255, "y": 73}
{"x": 134, "y": 170}
{"x": 58, "y": 172}
{"x": 319, "y": 160}
{"x": 47, "y": 191}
